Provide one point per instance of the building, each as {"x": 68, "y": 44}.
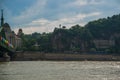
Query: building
{"x": 12, "y": 38}
{"x": 103, "y": 44}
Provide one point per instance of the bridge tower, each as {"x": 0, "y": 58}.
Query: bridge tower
{"x": 2, "y": 18}
{"x": 3, "y": 47}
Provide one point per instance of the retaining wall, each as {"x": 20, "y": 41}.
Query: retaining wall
{"x": 29, "y": 56}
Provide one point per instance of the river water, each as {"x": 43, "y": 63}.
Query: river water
{"x": 59, "y": 70}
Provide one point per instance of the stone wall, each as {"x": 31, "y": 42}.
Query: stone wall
{"x": 30, "y": 56}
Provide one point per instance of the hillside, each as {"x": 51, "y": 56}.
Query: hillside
{"x": 105, "y": 28}
{"x": 99, "y": 35}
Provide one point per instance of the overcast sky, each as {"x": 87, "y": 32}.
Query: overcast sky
{"x": 45, "y": 15}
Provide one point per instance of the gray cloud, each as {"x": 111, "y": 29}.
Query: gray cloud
{"x": 51, "y": 13}
{"x": 30, "y": 13}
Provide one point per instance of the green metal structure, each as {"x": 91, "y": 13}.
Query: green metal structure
{"x": 5, "y": 46}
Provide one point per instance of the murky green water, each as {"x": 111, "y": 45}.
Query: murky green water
{"x": 52, "y": 70}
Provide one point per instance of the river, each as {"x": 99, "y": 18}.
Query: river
{"x": 60, "y": 70}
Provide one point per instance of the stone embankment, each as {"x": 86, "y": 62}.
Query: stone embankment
{"x": 31, "y": 56}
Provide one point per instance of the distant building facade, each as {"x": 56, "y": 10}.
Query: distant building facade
{"x": 14, "y": 39}
{"x": 102, "y": 44}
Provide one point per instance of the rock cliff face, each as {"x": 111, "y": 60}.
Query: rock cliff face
{"x": 99, "y": 35}
{"x": 57, "y": 42}
{"x": 63, "y": 40}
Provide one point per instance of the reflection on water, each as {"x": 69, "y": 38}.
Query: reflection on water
{"x": 53, "y": 70}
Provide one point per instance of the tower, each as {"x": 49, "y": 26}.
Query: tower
{"x": 2, "y": 19}
{"x": 20, "y": 33}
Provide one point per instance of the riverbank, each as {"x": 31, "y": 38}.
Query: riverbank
{"x": 33, "y": 56}
{"x": 4, "y": 59}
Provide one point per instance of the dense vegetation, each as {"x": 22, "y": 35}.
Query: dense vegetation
{"x": 77, "y": 38}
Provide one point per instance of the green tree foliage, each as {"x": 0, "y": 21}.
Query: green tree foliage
{"x": 45, "y": 42}
{"x": 104, "y": 28}
{"x": 61, "y": 39}
{"x": 77, "y": 38}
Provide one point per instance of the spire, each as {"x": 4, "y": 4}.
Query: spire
{"x": 2, "y": 19}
